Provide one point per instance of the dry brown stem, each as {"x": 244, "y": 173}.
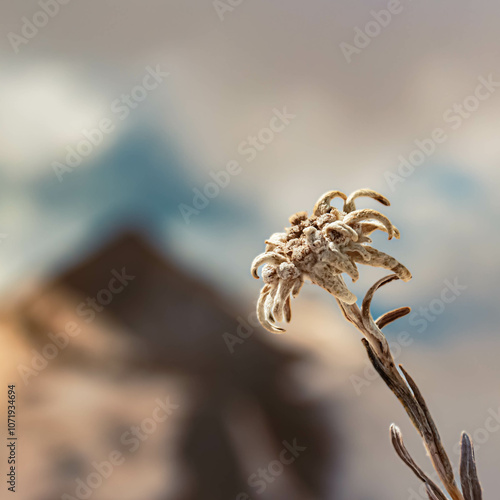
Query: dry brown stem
{"x": 406, "y": 390}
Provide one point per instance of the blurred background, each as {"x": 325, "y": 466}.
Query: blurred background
{"x": 147, "y": 150}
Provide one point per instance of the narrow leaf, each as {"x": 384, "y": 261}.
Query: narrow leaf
{"x": 391, "y": 316}
{"x": 471, "y": 487}
{"x": 397, "y": 442}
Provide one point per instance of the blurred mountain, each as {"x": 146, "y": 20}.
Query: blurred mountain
{"x": 129, "y": 328}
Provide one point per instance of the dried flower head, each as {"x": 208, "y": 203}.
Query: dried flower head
{"x": 321, "y": 248}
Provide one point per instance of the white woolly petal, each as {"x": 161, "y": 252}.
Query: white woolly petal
{"x": 333, "y": 283}
{"x": 283, "y": 292}
{"x": 360, "y": 250}
{"x": 345, "y": 265}
{"x": 350, "y": 206}
{"x": 342, "y": 228}
{"x": 323, "y": 204}
{"x": 297, "y": 286}
{"x": 266, "y": 258}
{"x": 381, "y": 259}
{"x": 261, "y": 312}
{"x": 368, "y": 214}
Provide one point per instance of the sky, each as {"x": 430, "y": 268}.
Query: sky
{"x": 345, "y": 122}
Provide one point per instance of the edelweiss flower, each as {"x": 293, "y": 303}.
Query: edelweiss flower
{"x": 321, "y": 248}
